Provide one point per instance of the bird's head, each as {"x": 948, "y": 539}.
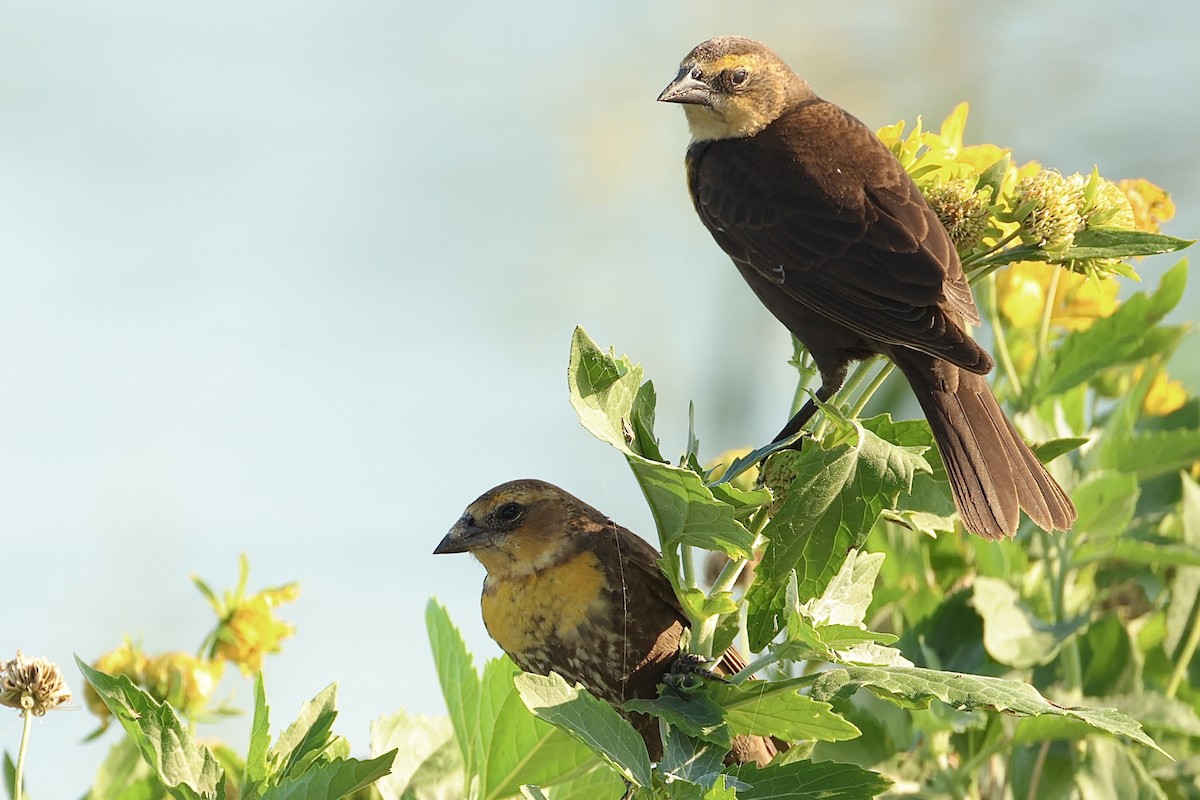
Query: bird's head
{"x": 520, "y": 527}
{"x": 732, "y": 87}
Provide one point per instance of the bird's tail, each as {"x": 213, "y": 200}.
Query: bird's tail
{"x": 992, "y": 472}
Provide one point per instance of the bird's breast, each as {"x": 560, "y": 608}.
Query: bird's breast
{"x": 550, "y": 606}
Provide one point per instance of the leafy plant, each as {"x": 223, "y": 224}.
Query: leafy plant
{"x": 893, "y": 649}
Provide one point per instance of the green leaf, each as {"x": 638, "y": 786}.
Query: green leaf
{"x": 696, "y": 762}
{"x": 590, "y": 720}
{"x": 516, "y": 747}
{"x": 1052, "y": 449}
{"x": 686, "y": 512}
{"x": 459, "y": 680}
{"x": 806, "y": 780}
{"x": 187, "y": 770}
{"x": 1120, "y": 243}
{"x": 428, "y": 763}
{"x": 123, "y": 775}
{"x": 1105, "y": 501}
{"x": 329, "y": 780}
{"x": 697, "y": 716}
{"x": 603, "y": 390}
{"x": 1109, "y": 769}
{"x": 600, "y": 783}
{"x": 1012, "y": 634}
{"x": 1114, "y": 339}
{"x": 255, "y": 775}
{"x": 306, "y": 740}
{"x": 1183, "y": 611}
{"x": 839, "y": 490}
{"x": 1155, "y": 711}
{"x": 915, "y": 687}
{"x": 776, "y": 708}
{"x": 1150, "y": 454}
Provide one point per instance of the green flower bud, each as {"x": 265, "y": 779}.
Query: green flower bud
{"x": 1053, "y": 217}
{"x": 963, "y": 211}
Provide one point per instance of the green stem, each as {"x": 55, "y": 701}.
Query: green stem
{"x": 855, "y": 379}
{"x": 1044, "y": 327}
{"x": 1186, "y": 649}
{"x": 687, "y": 562}
{"x": 1010, "y": 369}
{"x": 996, "y": 248}
{"x": 19, "y": 778}
{"x": 872, "y": 387}
{"x": 1072, "y": 669}
{"x": 705, "y": 630}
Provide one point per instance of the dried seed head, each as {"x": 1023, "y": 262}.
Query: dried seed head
{"x": 33, "y": 685}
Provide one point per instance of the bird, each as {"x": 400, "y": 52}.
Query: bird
{"x": 836, "y": 240}
{"x": 568, "y": 590}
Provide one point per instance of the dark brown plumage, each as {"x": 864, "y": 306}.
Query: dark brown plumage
{"x": 569, "y": 591}
{"x": 837, "y": 242}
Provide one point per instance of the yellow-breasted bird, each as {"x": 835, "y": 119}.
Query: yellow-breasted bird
{"x": 836, "y": 240}
{"x": 570, "y": 591}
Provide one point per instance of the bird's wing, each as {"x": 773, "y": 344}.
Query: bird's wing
{"x": 822, "y": 209}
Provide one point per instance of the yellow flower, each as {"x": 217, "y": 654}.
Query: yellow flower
{"x": 126, "y": 660}
{"x": 1021, "y": 293}
{"x": 252, "y": 630}
{"x": 744, "y": 481}
{"x": 1081, "y": 300}
{"x": 183, "y": 680}
{"x": 1150, "y": 204}
{"x": 1164, "y": 396}
{"x": 1022, "y": 290}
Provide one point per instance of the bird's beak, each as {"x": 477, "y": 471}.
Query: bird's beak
{"x": 462, "y": 538}
{"x": 686, "y": 89}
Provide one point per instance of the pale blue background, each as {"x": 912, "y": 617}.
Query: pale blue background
{"x": 298, "y": 279}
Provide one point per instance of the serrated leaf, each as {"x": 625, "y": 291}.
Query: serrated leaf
{"x": 686, "y": 512}
{"x": 776, "y": 708}
{"x": 1155, "y": 711}
{"x": 915, "y": 687}
{"x": 307, "y": 739}
{"x": 1111, "y": 340}
{"x": 696, "y": 762}
{"x": 1012, "y": 634}
{"x": 459, "y": 681}
{"x": 697, "y": 716}
{"x": 329, "y": 780}
{"x": 846, "y": 598}
{"x": 603, "y": 391}
{"x": 806, "y": 780}
{"x": 187, "y": 770}
{"x": 835, "y": 498}
{"x": 590, "y": 720}
{"x": 255, "y": 774}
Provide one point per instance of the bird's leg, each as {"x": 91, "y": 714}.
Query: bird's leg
{"x": 830, "y": 383}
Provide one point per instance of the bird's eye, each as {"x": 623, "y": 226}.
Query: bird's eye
{"x": 738, "y": 76}
{"x": 696, "y": 74}
{"x": 509, "y": 512}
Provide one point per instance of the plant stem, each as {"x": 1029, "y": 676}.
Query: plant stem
{"x": 1072, "y": 670}
{"x": 996, "y": 248}
{"x": 1185, "y": 650}
{"x": 872, "y": 387}
{"x": 1044, "y": 327}
{"x": 687, "y": 562}
{"x": 993, "y": 306}
{"x": 19, "y": 778}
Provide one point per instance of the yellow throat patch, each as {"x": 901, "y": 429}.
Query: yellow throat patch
{"x": 522, "y": 613}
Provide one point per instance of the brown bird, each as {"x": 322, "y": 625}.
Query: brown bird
{"x": 836, "y": 240}
{"x": 570, "y": 591}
